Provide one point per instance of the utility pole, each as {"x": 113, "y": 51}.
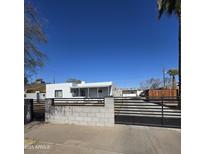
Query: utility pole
{"x": 163, "y": 71}
{"x": 54, "y": 79}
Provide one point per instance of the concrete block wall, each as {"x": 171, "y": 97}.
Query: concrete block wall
{"x": 81, "y": 115}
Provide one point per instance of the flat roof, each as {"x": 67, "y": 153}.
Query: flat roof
{"x": 92, "y": 85}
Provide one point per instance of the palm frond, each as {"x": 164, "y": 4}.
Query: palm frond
{"x": 169, "y": 7}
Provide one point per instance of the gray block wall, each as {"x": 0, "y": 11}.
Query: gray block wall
{"x": 81, "y": 115}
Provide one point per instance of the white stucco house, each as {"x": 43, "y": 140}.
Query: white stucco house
{"x": 41, "y": 91}
{"x": 79, "y": 90}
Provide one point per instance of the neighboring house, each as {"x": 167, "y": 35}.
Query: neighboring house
{"x": 131, "y": 92}
{"x": 79, "y": 90}
{"x": 36, "y": 90}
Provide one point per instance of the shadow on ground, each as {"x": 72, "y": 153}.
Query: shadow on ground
{"x": 38, "y": 116}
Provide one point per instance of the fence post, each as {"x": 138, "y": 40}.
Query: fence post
{"x": 179, "y": 102}
{"x": 162, "y": 106}
{"x": 52, "y": 102}
{"x": 28, "y": 110}
{"x": 109, "y": 106}
{"x": 48, "y": 109}
{"x": 37, "y": 96}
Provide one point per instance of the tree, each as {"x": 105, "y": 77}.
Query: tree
{"x": 33, "y": 34}
{"x": 171, "y": 7}
{"x": 73, "y": 80}
{"x": 168, "y": 82}
{"x": 151, "y": 84}
{"x": 173, "y": 73}
{"x": 25, "y": 81}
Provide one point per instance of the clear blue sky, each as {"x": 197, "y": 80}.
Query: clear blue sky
{"x": 107, "y": 40}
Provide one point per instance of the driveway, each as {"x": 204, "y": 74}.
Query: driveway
{"x": 45, "y": 138}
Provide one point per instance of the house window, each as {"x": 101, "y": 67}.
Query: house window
{"x": 74, "y": 92}
{"x": 100, "y": 90}
{"x": 58, "y": 93}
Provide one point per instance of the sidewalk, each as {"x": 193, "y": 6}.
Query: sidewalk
{"x": 72, "y": 139}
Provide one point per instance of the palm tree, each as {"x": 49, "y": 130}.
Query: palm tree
{"x": 173, "y": 73}
{"x": 171, "y": 7}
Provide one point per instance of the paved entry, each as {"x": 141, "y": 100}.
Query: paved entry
{"x": 45, "y": 138}
{"x": 151, "y": 112}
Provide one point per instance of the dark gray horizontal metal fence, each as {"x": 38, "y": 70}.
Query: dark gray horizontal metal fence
{"x": 78, "y": 102}
{"x": 148, "y": 111}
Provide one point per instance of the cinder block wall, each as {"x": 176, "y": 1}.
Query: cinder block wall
{"x": 81, "y": 115}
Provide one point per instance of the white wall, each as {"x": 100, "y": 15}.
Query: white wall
{"x": 30, "y": 95}
{"x": 129, "y": 95}
{"x": 34, "y": 96}
{"x": 93, "y": 92}
{"x": 139, "y": 92}
{"x": 116, "y": 92}
{"x": 65, "y": 87}
{"x": 104, "y": 92}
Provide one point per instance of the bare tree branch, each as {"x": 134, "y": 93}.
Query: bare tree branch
{"x": 33, "y": 35}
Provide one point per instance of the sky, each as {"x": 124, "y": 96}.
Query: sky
{"x": 106, "y": 40}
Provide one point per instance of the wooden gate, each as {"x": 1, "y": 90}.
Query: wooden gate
{"x": 153, "y": 112}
